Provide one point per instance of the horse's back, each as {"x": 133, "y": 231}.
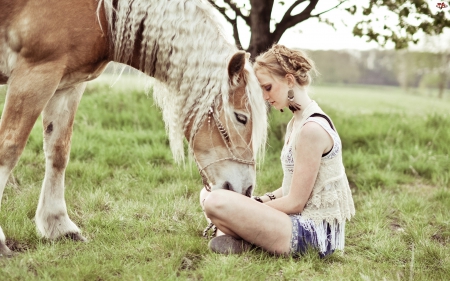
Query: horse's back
{"x": 9, "y": 9}
{"x": 64, "y": 32}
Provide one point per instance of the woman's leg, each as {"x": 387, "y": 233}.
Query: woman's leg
{"x": 243, "y": 217}
{"x": 203, "y": 194}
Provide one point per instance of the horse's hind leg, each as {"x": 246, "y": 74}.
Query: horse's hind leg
{"x": 29, "y": 89}
{"x": 52, "y": 220}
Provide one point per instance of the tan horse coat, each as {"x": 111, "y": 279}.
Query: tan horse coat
{"x": 49, "y": 49}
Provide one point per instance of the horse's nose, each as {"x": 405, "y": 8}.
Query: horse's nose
{"x": 227, "y": 186}
{"x": 249, "y": 190}
{"x": 246, "y": 191}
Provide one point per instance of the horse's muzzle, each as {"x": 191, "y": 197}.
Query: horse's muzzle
{"x": 245, "y": 191}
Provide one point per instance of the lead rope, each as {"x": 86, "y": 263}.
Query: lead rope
{"x": 209, "y": 227}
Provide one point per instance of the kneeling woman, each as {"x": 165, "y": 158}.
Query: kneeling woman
{"x": 311, "y": 207}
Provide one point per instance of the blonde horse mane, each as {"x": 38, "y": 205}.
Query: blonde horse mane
{"x": 184, "y": 47}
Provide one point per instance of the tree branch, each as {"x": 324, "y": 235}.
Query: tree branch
{"x": 289, "y": 20}
{"x": 233, "y": 22}
{"x": 317, "y": 15}
{"x": 292, "y": 7}
{"x": 237, "y": 40}
{"x": 222, "y": 11}
{"x": 237, "y": 11}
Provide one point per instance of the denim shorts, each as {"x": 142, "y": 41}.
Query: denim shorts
{"x": 304, "y": 236}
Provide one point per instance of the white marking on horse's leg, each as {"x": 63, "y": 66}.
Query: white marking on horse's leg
{"x": 4, "y": 174}
{"x": 2, "y": 235}
{"x": 30, "y": 88}
{"x": 4, "y": 250}
{"x": 52, "y": 220}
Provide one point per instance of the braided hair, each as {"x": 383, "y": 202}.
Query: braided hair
{"x": 280, "y": 60}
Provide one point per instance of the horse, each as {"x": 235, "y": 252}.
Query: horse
{"x": 205, "y": 87}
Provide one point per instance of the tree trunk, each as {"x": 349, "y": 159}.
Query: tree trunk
{"x": 441, "y": 90}
{"x": 445, "y": 60}
{"x": 261, "y": 38}
{"x": 442, "y": 84}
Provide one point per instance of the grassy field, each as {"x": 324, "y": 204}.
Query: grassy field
{"x": 141, "y": 215}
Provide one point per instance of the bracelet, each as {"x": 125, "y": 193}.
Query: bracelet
{"x": 257, "y": 199}
{"x": 270, "y": 195}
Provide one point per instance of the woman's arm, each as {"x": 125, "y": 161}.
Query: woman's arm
{"x": 277, "y": 193}
{"x": 311, "y": 142}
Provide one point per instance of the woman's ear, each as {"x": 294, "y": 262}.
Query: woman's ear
{"x": 290, "y": 79}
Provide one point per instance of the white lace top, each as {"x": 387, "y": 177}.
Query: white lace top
{"x": 287, "y": 158}
{"x": 330, "y": 203}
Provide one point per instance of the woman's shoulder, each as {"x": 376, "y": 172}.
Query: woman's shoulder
{"x": 312, "y": 130}
{"x": 312, "y": 133}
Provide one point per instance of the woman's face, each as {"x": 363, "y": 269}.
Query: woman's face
{"x": 274, "y": 90}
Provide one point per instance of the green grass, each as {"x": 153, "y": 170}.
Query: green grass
{"x": 141, "y": 215}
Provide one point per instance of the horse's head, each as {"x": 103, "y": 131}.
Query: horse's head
{"x": 226, "y": 143}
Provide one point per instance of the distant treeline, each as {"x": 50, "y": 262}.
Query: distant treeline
{"x": 383, "y": 67}
{"x": 374, "y": 67}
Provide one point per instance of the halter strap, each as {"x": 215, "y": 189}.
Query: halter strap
{"x": 226, "y": 139}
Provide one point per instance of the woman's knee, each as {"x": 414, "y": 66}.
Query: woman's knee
{"x": 216, "y": 203}
{"x": 203, "y": 195}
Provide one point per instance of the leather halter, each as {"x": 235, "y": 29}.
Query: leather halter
{"x": 226, "y": 139}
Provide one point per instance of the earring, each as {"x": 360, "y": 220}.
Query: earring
{"x": 293, "y": 106}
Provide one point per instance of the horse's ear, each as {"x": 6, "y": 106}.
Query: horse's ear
{"x": 236, "y": 65}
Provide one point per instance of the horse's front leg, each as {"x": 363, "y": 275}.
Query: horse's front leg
{"x": 52, "y": 220}
{"x": 30, "y": 87}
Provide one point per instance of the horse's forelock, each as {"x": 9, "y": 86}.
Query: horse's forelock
{"x": 255, "y": 105}
{"x": 258, "y": 110}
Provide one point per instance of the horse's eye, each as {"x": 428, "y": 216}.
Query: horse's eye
{"x": 241, "y": 118}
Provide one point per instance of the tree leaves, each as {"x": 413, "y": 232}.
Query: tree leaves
{"x": 412, "y": 17}
{"x": 382, "y": 21}
{"x": 352, "y": 10}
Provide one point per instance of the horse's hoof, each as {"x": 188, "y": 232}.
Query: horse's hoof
{"x": 5, "y": 251}
{"x": 75, "y": 237}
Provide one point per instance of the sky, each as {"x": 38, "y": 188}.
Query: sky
{"x": 314, "y": 35}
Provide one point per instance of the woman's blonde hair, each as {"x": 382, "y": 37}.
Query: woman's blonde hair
{"x": 280, "y": 60}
